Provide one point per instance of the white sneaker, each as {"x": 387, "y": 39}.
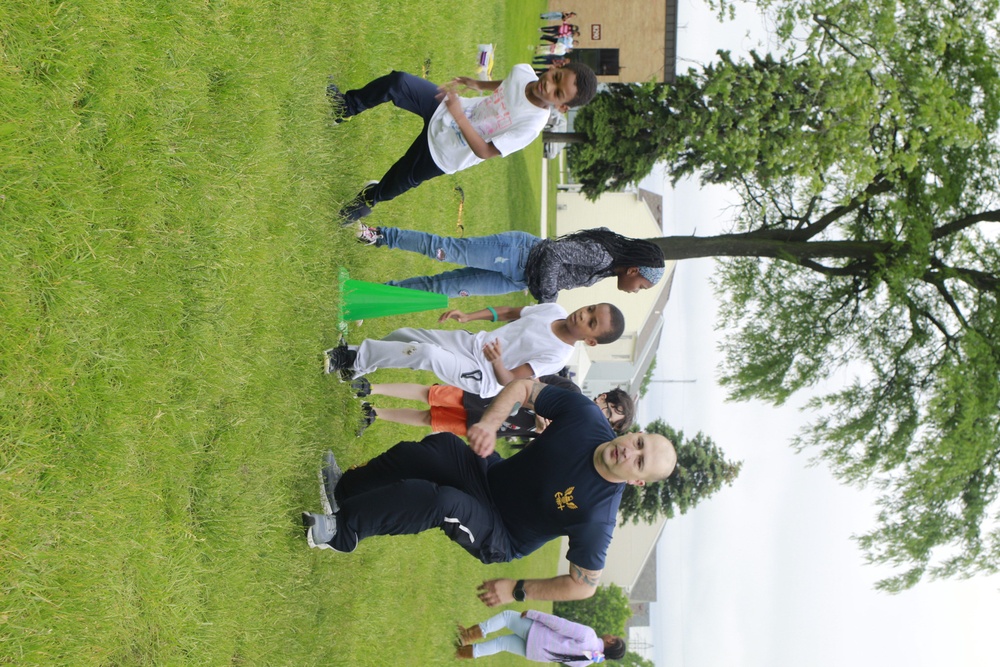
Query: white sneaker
{"x": 367, "y": 235}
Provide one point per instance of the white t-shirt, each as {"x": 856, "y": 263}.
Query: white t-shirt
{"x": 506, "y": 118}
{"x": 528, "y": 340}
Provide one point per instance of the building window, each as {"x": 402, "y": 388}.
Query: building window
{"x": 602, "y": 61}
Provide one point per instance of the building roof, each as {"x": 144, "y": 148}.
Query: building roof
{"x": 648, "y": 339}
{"x": 655, "y": 204}
{"x": 670, "y": 44}
{"x": 644, "y": 589}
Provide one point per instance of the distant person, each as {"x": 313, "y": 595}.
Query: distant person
{"x": 557, "y": 16}
{"x": 540, "y": 637}
{"x": 460, "y": 132}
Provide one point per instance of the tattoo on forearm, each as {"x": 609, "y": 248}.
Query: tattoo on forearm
{"x": 513, "y": 410}
{"x": 589, "y": 577}
{"x": 535, "y": 389}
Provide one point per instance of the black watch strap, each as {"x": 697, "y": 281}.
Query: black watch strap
{"x": 519, "y": 591}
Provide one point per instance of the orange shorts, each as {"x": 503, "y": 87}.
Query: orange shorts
{"x": 447, "y": 411}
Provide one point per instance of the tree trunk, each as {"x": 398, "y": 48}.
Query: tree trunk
{"x": 565, "y": 137}
{"x": 763, "y": 244}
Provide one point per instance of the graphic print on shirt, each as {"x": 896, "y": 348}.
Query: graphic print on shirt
{"x": 564, "y": 499}
{"x": 488, "y": 117}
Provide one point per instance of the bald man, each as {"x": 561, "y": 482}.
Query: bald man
{"x": 569, "y": 482}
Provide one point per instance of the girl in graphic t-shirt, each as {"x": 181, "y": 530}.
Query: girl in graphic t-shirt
{"x": 540, "y": 637}
{"x": 514, "y": 261}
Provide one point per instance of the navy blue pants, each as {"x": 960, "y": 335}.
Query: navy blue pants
{"x": 412, "y": 94}
{"x": 416, "y": 486}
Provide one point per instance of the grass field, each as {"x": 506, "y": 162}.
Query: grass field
{"x": 169, "y": 181}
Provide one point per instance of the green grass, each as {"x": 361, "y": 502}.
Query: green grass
{"x": 169, "y": 181}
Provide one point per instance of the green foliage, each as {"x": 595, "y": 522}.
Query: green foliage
{"x": 867, "y": 157}
{"x": 701, "y": 471}
{"x": 633, "y": 660}
{"x": 770, "y": 117}
{"x": 647, "y": 378}
{"x": 606, "y": 611}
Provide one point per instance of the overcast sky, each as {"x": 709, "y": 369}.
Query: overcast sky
{"x": 765, "y": 573}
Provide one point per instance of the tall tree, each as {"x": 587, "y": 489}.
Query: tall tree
{"x": 865, "y": 245}
{"x": 702, "y": 469}
{"x": 606, "y": 611}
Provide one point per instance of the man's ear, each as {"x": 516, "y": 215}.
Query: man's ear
{"x": 636, "y": 482}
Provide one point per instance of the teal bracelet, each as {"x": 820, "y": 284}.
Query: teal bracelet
{"x": 496, "y": 318}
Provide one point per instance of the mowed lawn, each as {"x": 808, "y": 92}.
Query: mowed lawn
{"x": 169, "y": 182}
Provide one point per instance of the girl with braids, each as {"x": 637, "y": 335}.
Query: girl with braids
{"x": 512, "y": 261}
{"x": 540, "y": 637}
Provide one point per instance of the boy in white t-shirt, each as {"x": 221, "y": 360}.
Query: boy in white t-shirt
{"x": 460, "y": 132}
{"x": 538, "y": 341}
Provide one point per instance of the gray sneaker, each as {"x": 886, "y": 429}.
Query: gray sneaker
{"x": 329, "y": 477}
{"x": 320, "y": 529}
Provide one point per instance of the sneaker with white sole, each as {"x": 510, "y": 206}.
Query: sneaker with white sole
{"x": 367, "y": 235}
{"x": 320, "y": 529}
{"x": 329, "y": 477}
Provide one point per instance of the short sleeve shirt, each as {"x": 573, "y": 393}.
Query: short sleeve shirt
{"x": 527, "y": 340}
{"x": 505, "y": 118}
{"x": 551, "y": 487}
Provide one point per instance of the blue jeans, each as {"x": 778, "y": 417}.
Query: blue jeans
{"x": 494, "y": 264}
{"x": 516, "y": 643}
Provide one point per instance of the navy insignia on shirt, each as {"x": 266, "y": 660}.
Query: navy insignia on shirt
{"x": 565, "y": 499}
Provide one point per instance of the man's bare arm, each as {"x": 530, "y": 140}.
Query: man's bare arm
{"x": 482, "y": 435}
{"x": 579, "y": 584}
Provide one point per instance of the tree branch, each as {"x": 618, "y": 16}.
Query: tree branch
{"x": 937, "y": 281}
{"x": 876, "y": 187}
{"x": 962, "y": 223}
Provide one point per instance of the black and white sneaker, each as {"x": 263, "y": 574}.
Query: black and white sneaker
{"x": 361, "y": 386}
{"x": 329, "y": 477}
{"x": 341, "y": 360}
{"x": 368, "y": 417}
{"x": 367, "y": 235}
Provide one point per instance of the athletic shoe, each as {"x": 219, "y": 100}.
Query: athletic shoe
{"x": 368, "y": 235}
{"x": 337, "y": 101}
{"x": 320, "y": 529}
{"x": 361, "y": 386}
{"x": 357, "y": 208}
{"x": 367, "y": 417}
{"x": 340, "y": 359}
{"x": 329, "y": 477}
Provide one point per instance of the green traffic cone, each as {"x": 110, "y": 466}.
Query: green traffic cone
{"x": 362, "y": 300}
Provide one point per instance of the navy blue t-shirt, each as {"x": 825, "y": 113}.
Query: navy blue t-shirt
{"x": 551, "y": 487}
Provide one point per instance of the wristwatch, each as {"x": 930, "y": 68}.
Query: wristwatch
{"x": 519, "y": 591}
